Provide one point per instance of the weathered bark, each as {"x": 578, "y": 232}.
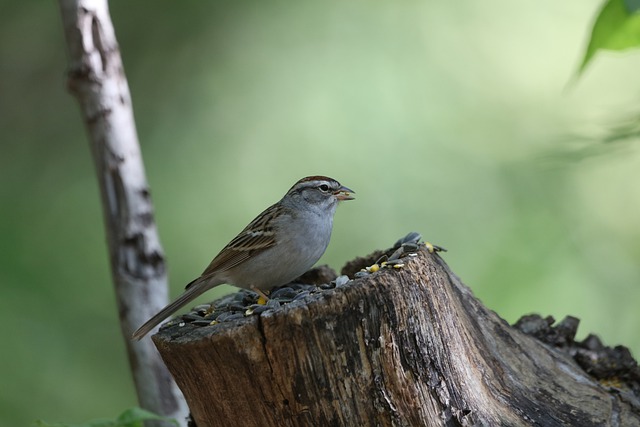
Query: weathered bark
{"x": 96, "y": 77}
{"x": 401, "y": 347}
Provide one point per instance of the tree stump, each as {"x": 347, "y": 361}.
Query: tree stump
{"x": 405, "y": 346}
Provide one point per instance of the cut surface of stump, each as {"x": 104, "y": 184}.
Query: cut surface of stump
{"x": 407, "y": 345}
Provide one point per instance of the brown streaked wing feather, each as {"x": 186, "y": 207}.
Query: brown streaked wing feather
{"x": 256, "y": 237}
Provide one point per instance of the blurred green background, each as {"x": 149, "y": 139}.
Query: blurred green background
{"x": 459, "y": 120}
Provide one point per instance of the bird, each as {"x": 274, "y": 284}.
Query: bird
{"x": 279, "y": 245}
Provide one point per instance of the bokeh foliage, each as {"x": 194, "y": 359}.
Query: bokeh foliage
{"x": 453, "y": 119}
{"x": 616, "y": 28}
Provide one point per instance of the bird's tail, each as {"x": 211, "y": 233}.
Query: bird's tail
{"x": 194, "y": 290}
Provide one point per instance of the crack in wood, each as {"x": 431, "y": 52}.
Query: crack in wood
{"x": 396, "y": 348}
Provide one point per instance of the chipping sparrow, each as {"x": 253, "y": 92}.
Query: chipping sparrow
{"x": 282, "y": 243}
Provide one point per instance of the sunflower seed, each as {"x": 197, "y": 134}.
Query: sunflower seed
{"x": 227, "y": 317}
{"x": 201, "y": 322}
{"x": 412, "y": 237}
{"x": 410, "y": 247}
{"x": 213, "y": 315}
{"x": 301, "y": 295}
{"x": 302, "y": 287}
{"x": 272, "y": 303}
{"x": 189, "y": 317}
{"x": 396, "y": 254}
{"x": 382, "y": 259}
{"x": 202, "y": 308}
{"x": 285, "y": 292}
{"x": 341, "y": 280}
{"x": 260, "y": 309}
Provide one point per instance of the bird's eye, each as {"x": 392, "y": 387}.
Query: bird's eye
{"x": 324, "y": 188}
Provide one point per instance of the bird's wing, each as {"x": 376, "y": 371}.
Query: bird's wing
{"x": 256, "y": 237}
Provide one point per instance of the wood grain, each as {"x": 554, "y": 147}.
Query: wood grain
{"x": 401, "y": 347}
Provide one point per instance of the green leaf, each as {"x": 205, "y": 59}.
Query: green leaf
{"x": 133, "y": 417}
{"x": 93, "y": 423}
{"x": 616, "y": 28}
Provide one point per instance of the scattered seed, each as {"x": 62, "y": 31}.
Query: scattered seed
{"x": 434, "y": 248}
{"x": 201, "y": 322}
{"x": 373, "y": 268}
{"x": 261, "y": 309}
{"x": 396, "y": 254}
{"x": 303, "y": 287}
{"x": 410, "y": 247}
{"x": 273, "y": 303}
{"x": 213, "y": 315}
{"x": 301, "y": 295}
{"x": 341, "y": 280}
{"x": 412, "y": 237}
{"x": 285, "y": 292}
{"x": 190, "y": 317}
{"x": 382, "y": 259}
{"x": 229, "y": 316}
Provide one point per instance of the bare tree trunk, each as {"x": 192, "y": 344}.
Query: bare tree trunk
{"x": 404, "y": 346}
{"x": 96, "y": 77}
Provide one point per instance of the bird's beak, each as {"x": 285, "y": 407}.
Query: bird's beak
{"x": 344, "y": 193}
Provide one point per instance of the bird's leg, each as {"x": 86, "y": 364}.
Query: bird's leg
{"x": 260, "y": 294}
